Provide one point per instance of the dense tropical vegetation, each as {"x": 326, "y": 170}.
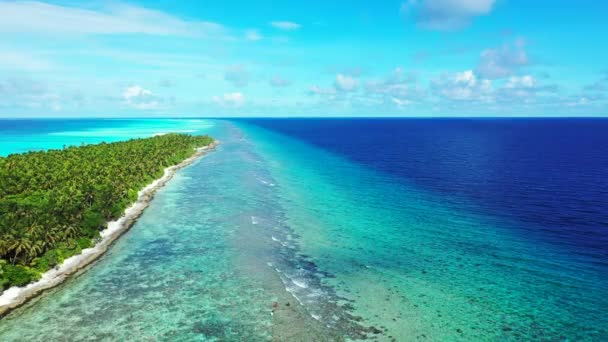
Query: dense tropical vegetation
{"x": 53, "y": 204}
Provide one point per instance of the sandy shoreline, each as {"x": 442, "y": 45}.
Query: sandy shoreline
{"x": 17, "y": 296}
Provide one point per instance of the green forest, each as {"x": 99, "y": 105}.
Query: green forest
{"x": 54, "y": 203}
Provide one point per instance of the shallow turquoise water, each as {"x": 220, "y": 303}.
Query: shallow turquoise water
{"x": 267, "y": 221}
{"x": 18, "y": 136}
{"x": 199, "y": 264}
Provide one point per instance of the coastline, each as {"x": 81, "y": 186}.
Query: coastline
{"x": 14, "y": 297}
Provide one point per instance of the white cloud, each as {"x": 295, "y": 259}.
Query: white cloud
{"x": 134, "y": 92}
{"x": 521, "y": 82}
{"x": 398, "y": 90}
{"x": 277, "y": 81}
{"x": 466, "y": 78}
{"x": 316, "y": 90}
{"x": 140, "y": 98}
{"x": 463, "y": 86}
{"x": 446, "y": 14}
{"x": 502, "y": 62}
{"x": 398, "y": 75}
{"x": 231, "y": 100}
{"x": 400, "y": 103}
{"x": 399, "y": 87}
{"x": 285, "y": 25}
{"x": 253, "y": 35}
{"x": 346, "y": 83}
{"x": 237, "y": 75}
{"x": 467, "y": 87}
{"x": 397, "y": 80}
{"x": 38, "y": 17}
{"x": 526, "y": 88}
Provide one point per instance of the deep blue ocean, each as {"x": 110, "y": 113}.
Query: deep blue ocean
{"x": 332, "y": 229}
{"x": 550, "y": 176}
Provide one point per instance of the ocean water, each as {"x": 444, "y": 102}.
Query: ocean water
{"x": 18, "y": 136}
{"x": 349, "y": 229}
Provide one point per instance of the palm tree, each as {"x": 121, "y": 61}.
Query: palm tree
{"x": 45, "y": 197}
{"x": 20, "y": 247}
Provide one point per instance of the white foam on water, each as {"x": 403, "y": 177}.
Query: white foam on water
{"x": 316, "y": 294}
{"x": 299, "y": 290}
{"x": 265, "y": 182}
{"x": 293, "y": 291}
{"x": 254, "y": 220}
{"x": 300, "y": 283}
{"x": 281, "y": 242}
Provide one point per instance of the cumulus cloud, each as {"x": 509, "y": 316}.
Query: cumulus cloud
{"x": 38, "y": 17}
{"x": 526, "y": 81}
{"x": 446, "y": 14}
{"x": 253, "y": 35}
{"x": 285, "y": 25}
{"x": 316, "y": 90}
{"x": 237, "y": 75}
{"x": 140, "y": 98}
{"x": 400, "y": 76}
{"x": 523, "y": 88}
{"x": 230, "y": 100}
{"x": 467, "y": 87}
{"x": 399, "y": 86}
{"x": 400, "y": 102}
{"x": 399, "y": 89}
{"x": 346, "y": 83}
{"x": 464, "y": 92}
{"x": 502, "y": 62}
{"x": 279, "y": 82}
{"x": 463, "y": 86}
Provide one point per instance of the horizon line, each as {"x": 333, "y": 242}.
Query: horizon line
{"x": 293, "y": 117}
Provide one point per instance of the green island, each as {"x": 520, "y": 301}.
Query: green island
{"x": 53, "y": 204}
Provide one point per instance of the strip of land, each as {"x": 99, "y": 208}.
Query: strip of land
{"x": 17, "y": 296}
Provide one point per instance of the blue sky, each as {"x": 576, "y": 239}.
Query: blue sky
{"x": 308, "y": 58}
